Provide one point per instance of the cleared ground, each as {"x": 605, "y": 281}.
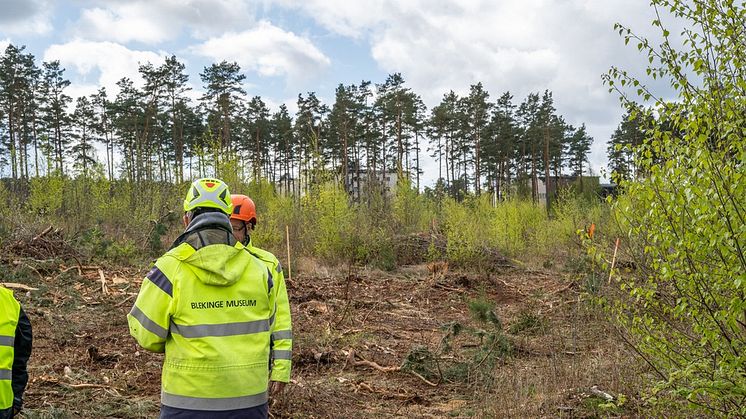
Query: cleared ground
{"x": 367, "y": 344}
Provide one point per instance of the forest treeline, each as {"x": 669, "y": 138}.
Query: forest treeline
{"x": 157, "y": 133}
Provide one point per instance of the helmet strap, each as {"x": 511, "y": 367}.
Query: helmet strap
{"x": 246, "y": 237}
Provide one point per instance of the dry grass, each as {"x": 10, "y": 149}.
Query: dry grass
{"x": 554, "y": 375}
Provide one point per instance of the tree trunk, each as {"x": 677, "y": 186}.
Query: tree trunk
{"x": 58, "y": 143}
{"x": 257, "y": 156}
{"x": 357, "y": 172}
{"x": 287, "y": 168}
{"x": 85, "y": 157}
{"x": 499, "y": 179}
{"x": 417, "y": 158}
{"x": 399, "y": 145}
{"x": 345, "y": 162}
{"x": 534, "y": 180}
{"x": 547, "y": 182}
{"x": 48, "y": 153}
{"x": 12, "y": 142}
{"x": 383, "y": 154}
{"x": 477, "y": 181}
{"x": 36, "y": 147}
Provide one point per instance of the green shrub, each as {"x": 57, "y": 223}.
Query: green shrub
{"x": 327, "y": 215}
{"x": 412, "y": 211}
{"x": 123, "y": 252}
{"x": 46, "y": 195}
{"x": 325, "y": 223}
{"x": 685, "y": 215}
{"x": 516, "y": 228}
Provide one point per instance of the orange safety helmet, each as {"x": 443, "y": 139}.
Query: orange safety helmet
{"x": 243, "y": 209}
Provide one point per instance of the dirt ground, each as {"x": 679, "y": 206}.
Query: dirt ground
{"x": 354, "y": 330}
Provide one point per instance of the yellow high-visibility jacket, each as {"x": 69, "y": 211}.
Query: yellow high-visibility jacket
{"x": 208, "y": 304}
{"x": 9, "y": 312}
{"x": 282, "y": 332}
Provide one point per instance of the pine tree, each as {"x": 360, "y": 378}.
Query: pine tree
{"x": 529, "y": 141}
{"x": 257, "y": 116}
{"x": 56, "y": 120}
{"x": 309, "y": 122}
{"x": 190, "y": 130}
{"x": 548, "y": 123}
{"x": 175, "y": 87}
{"x": 84, "y": 121}
{"x": 281, "y": 129}
{"x": 501, "y": 149}
{"x": 32, "y": 121}
{"x": 17, "y": 73}
{"x": 477, "y": 110}
{"x": 622, "y": 145}
{"x": 223, "y": 89}
{"x": 436, "y": 132}
{"x": 103, "y": 128}
{"x": 445, "y": 124}
{"x": 578, "y": 148}
{"x": 342, "y": 125}
{"x": 418, "y": 122}
{"x": 127, "y": 119}
{"x": 396, "y": 106}
{"x": 149, "y": 142}
{"x": 371, "y": 138}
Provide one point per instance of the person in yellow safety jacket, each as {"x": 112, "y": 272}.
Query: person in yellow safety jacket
{"x": 243, "y": 219}
{"x": 208, "y": 304}
{"x": 15, "y": 350}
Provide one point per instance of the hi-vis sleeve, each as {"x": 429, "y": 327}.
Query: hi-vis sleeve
{"x": 150, "y": 317}
{"x": 282, "y": 332}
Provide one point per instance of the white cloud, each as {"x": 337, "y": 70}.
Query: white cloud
{"x": 348, "y": 18}
{"x": 105, "y": 24}
{"x": 100, "y": 64}
{"x": 154, "y": 22}
{"x": 267, "y": 50}
{"x": 25, "y": 17}
{"x": 518, "y": 45}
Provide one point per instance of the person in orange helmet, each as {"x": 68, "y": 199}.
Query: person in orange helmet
{"x": 244, "y": 220}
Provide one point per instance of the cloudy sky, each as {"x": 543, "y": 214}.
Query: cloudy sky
{"x": 286, "y": 47}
